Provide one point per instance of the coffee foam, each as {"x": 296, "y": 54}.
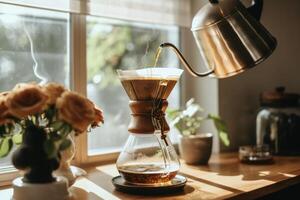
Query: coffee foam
{"x": 156, "y": 73}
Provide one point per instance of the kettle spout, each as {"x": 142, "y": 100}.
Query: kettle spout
{"x": 184, "y": 62}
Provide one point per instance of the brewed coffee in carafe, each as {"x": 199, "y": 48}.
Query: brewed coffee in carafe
{"x": 148, "y": 156}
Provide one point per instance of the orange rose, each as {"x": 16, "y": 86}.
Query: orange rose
{"x": 3, "y": 109}
{"x": 3, "y": 94}
{"x": 23, "y": 85}
{"x": 53, "y": 90}
{"x": 76, "y": 110}
{"x": 98, "y": 117}
{"x": 26, "y": 99}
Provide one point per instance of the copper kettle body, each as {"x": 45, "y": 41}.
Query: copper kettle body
{"x": 230, "y": 38}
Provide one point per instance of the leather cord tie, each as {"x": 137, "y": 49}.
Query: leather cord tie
{"x": 158, "y": 122}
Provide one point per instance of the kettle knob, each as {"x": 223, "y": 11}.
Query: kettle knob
{"x": 255, "y": 9}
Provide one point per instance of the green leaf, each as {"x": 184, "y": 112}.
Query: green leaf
{"x": 173, "y": 113}
{"x": 57, "y": 125}
{"x": 28, "y": 123}
{"x": 50, "y": 149}
{"x": 17, "y": 138}
{"x": 2, "y": 130}
{"x": 66, "y": 143}
{"x": 65, "y": 130}
{"x": 224, "y": 138}
{"x": 68, "y": 128}
{"x": 50, "y": 113}
{"x": 55, "y": 136}
{"x": 5, "y": 146}
{"x": 8, "y": 128}
{"x": 221, "y": 128}
{"x": 192, "y": 111}
{"x": 189, "y": 102}
{"x": 17, "y": 129}
{"x": 218, "y": 122}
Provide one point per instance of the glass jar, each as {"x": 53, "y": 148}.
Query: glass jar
{"x": 148, "y": 156}
{"x": 278, "y": 122}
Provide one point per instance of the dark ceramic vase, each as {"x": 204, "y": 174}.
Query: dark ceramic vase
{"x": 32, "y": 158}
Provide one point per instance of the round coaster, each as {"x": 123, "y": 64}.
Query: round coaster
{"x": 175, "y": 185}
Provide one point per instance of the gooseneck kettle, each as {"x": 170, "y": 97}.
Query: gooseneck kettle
{"x": 230, "y": 38}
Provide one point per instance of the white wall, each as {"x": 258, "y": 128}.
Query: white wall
{"x": 204, "y": 90}
{"x": 236, "y": 98}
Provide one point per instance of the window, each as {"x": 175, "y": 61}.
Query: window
{"x": 42, "y": 45}
{"x": 112, "y": 45}
{"x": 34, "y": 46}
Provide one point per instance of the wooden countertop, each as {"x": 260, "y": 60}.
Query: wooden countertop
{"x": 223, "y": 178}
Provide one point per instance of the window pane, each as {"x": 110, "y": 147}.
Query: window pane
{"x": 34, "y": 47}
{"x": 113, "y": 45}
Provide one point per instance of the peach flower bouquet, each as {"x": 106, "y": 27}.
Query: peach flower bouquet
{"x": 50, "y": 108}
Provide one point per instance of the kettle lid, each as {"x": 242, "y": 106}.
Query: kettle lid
{"x": 212, "y": 13}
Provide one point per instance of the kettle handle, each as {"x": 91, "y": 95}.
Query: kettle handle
{"x": 185, "y": 63}
{"x": 255, "y": 9}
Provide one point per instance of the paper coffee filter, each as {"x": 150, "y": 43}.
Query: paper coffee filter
{"x": 153, "y": 72}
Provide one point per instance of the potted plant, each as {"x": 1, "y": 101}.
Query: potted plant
{"x": 195, "y": 148}
{"x": 39, "y": 119}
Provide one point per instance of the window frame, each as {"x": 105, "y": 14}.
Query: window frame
{"x": 79, "y": 82}
{"x": 7, "y": 175}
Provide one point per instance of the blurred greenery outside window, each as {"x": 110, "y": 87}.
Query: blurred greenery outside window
{"x": 116, "y": 44}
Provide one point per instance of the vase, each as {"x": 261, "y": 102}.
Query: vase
{"x": 38, "y": 182}
{"x": 66, "y": 157}
{"x": 33, "y": 159}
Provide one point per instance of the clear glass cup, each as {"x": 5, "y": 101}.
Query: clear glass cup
{"x": 257, "y": 154}
{"x": 154, "y": 163}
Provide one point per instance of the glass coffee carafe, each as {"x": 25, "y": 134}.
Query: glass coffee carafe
{"x": 148, "y": 156}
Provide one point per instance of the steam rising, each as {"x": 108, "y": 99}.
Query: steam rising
{"x": 147, "y": 49}
{"x": 144, "y": 57}
{"x": 43, "y": 80}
